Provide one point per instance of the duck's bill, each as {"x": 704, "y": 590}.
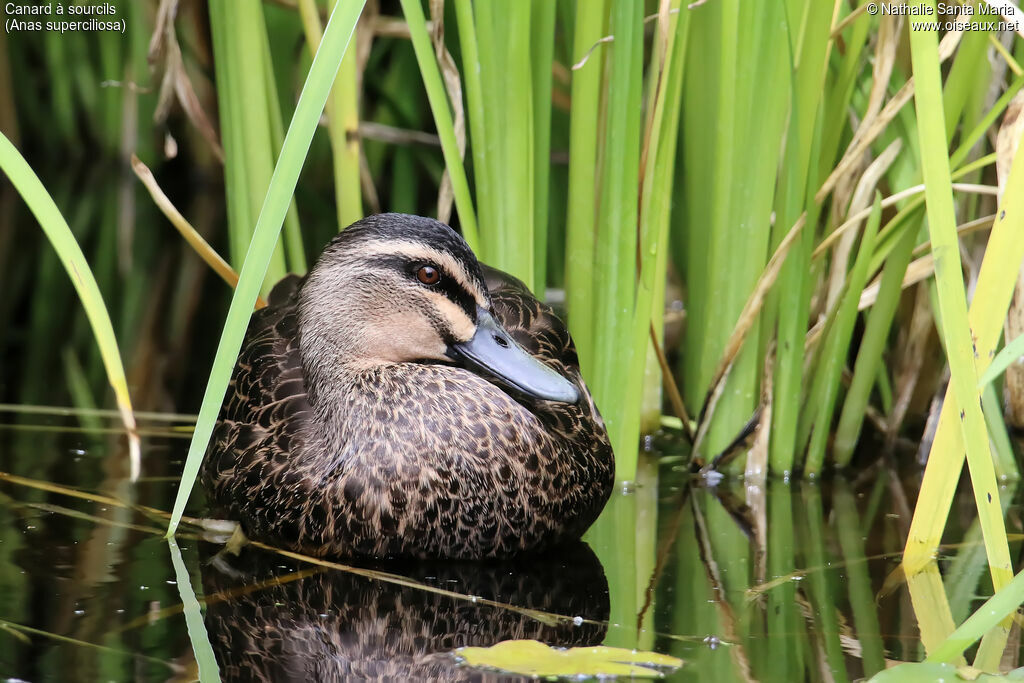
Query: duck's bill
{"x": 492, "y": 351}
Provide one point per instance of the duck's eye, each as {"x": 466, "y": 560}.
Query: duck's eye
{"x": 428, "y": 275}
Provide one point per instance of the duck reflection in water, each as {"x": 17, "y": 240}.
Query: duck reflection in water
{"x": 332, "y": 625}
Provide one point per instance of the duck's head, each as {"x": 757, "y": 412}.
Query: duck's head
{"x": 394, "y": 288}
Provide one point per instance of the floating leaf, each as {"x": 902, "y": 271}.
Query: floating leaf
{"x": 533, "y": 658}
{"x": 928, "y": 672}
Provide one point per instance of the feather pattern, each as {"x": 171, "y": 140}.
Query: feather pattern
{"x": 424, "y": 459}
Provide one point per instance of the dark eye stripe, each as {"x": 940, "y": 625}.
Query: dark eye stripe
{"x": 447, "y": 285}
{"x": 463, "y": 299}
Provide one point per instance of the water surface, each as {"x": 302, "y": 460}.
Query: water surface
{"x": 775, "y": 583}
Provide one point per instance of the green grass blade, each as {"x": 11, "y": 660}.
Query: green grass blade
{"x": 477, "y": 113}
{"x": 961, "y": 345}
{"x": 999, "y": 269}
{"x": 507, "y": 67}
{"x": 808, "y": 51}
{"x": 311, "y": 103}
{"x": 664, "y": 104}
{"x": 583, "y": 131}
{"x": 515, "y": 237}
{"x": 344, "y": 112}
{"x": 442, "y": 119}
{"x": 754, "y": 113}
{"x": 971, "y": 139}
{"x": 998, "y": 607}
{"x": 1002, "y": 450}
{"x": 1011, "y": 353}
{"x": 242, "y": 57}
{"x": 837, "y": 344}
{"x": 295, "y": 253}
{"x": 869, "y": 356}
{"x": 492, "y": 144}
{"x": 80, "y": 391}
{"x": 57, "y": 231}
{"x": 342, "y": 117}
{"x": 542, "y": 35}
{"x": 615, "y": 274}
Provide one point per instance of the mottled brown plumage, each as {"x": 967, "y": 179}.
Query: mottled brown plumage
{"x": 348, "y": 429}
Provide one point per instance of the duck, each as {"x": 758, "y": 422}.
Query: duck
{"x": 404, "y": 400}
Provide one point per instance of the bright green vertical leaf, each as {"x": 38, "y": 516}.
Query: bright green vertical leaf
{"x": 615, "y": 268}
{"x": 826, "y": 381}
{"x": 442, "y": 119}
{"x": 583, "y": 183}
{"x": 311, "y": 103}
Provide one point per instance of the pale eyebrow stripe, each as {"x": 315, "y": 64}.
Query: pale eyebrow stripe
{"x": 418, "y": 250}
{"x": 462, "y": 327}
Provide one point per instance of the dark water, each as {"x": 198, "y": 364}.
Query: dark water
{"x": 781, "y": 583}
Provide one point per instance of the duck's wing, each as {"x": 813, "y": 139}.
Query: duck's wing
{"x": 265, "y": 408}
{"x": 540, "y": 331}
{"x": 532, "y": 323}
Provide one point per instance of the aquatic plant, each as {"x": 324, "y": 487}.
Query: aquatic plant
{"x": 762, "y": 169}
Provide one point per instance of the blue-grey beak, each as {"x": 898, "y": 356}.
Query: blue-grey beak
{"x": 492, "y": 351}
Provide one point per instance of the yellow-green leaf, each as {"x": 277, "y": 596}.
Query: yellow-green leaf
{"x": 57, "y": 231}
{"x": 533, "y": 658}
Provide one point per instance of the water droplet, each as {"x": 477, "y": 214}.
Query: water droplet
{"x": 473, "y": 598}
{"x": 79, "y": 612}
{"x": 578, "y": 621}
{"x": 143, "y": 588}
{"x": 712, "y": 642}
{"x": 171, "y": 582}
{"x": 713, "y": 478}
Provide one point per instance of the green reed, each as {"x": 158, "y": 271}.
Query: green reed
{"x": 319, "y": 81}
{"x": 27, "y": 184}
{"x": 506, "y": 51}
{"x": 965, "y": 348}
{"x": 697, "y": 138}
{"x": 248, "y": 105}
